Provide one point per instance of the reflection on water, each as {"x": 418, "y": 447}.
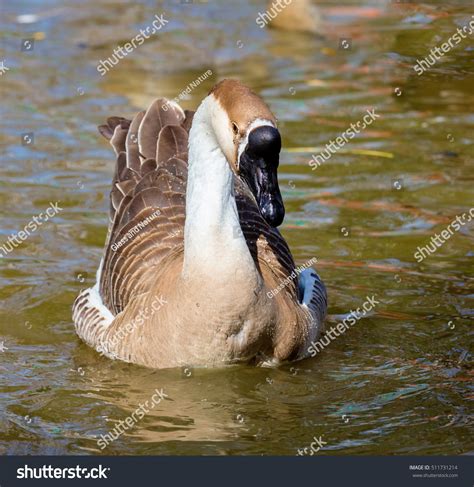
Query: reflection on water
{"x": 400, "y": 380}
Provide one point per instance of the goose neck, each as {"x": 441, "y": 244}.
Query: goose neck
{"x": 213, "y": 240}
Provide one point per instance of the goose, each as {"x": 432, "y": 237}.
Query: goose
{"x": 298, "y": 15}
{"x": 195, "y": 271}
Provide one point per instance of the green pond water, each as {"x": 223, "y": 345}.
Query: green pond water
{"x": 400, "y": 380}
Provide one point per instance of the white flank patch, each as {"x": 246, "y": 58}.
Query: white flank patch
{"x": 95, "y": 299}
{"x": 307, "y": 281}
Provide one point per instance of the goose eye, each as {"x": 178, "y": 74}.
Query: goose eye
{"x": 235, "y": 128}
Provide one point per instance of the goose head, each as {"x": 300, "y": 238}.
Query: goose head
{"x": 246, "y": 131}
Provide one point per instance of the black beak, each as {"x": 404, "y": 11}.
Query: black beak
{"x": 258, "y": 167}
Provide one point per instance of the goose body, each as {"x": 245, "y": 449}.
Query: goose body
{"x": 192, "y": 253}
{"x": 298, "y": 15}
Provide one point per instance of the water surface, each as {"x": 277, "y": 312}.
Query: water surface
{"x": 400, "y": 380}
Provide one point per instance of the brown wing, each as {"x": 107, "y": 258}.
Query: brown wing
{"x": 147, "y": 205}
{"x": 147, "y": 199}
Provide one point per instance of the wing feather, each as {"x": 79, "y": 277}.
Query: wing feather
{"x": 148, "y": 199}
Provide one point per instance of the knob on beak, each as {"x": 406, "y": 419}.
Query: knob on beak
{"x": 258, "y": 167}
